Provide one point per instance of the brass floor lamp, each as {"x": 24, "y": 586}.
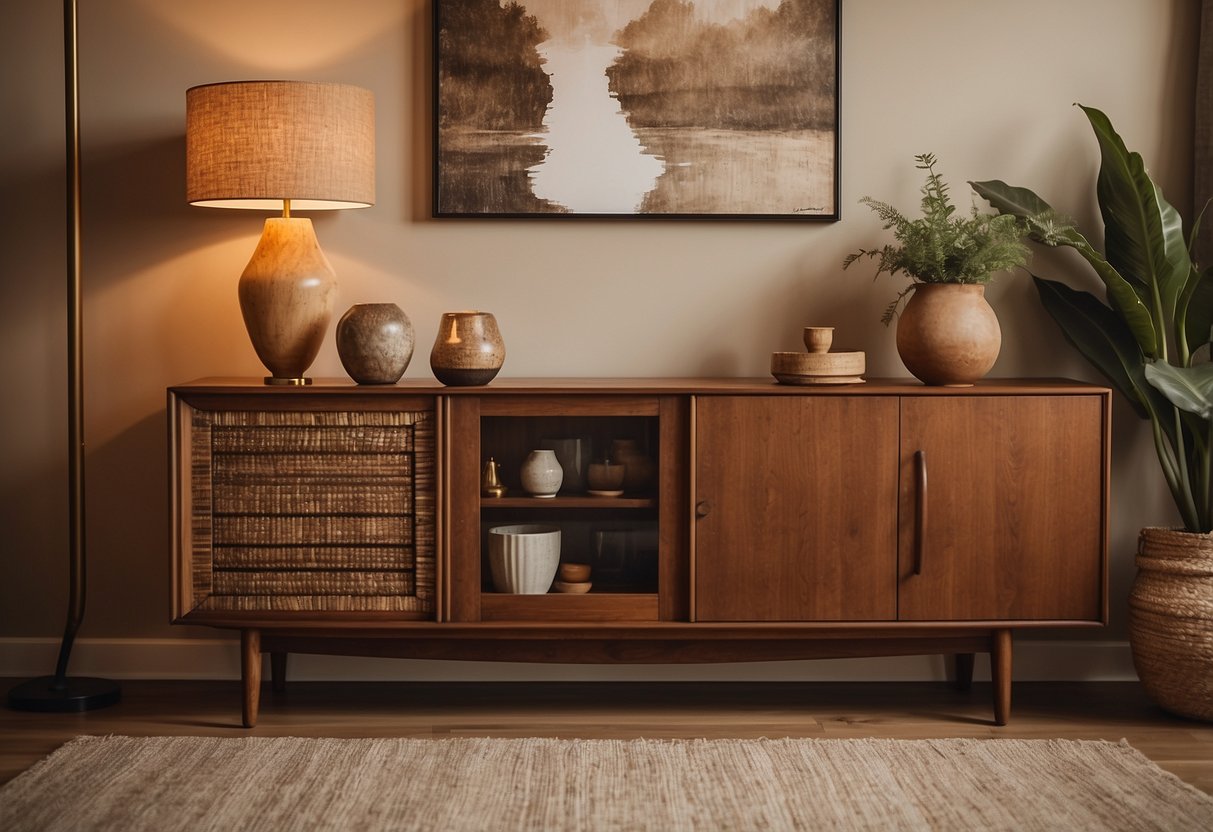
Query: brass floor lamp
{"x": 61, "y": 692}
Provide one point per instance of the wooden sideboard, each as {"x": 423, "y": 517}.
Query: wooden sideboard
{"x": 879, "y": 519}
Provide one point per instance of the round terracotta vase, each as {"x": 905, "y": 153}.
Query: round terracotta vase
{"x": 375, "y": 342}
{"x": 1171, "y": 620}
{"x": 948, "y": 335}
{"x": 468, "y": 350}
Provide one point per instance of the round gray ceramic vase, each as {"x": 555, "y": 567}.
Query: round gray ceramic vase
{"x": 375, "y": 342}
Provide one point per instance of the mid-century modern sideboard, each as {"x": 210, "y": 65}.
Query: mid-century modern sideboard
{"x": 876, "y": 519}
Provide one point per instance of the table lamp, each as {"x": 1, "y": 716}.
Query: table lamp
{"x": 282, "y": 145}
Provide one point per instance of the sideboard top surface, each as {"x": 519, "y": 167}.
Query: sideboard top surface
{"x": 642, "y": 386}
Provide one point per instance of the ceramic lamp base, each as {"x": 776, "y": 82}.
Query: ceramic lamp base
{"x": 286, "y": 298}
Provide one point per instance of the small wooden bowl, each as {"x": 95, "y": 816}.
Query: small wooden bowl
{"x": 817, "y": 339}
{"x": 818, "y": 365}
{"x": 574, "y": 572}
{"x": 572, "y": 587}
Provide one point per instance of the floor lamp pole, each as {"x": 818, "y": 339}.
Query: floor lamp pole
{"x": 62, "y": 692}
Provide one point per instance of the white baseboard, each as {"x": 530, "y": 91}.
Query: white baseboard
{"x": 211, "y": 658}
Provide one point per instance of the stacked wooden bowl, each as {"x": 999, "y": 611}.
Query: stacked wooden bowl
{"x": 818, "y": 365}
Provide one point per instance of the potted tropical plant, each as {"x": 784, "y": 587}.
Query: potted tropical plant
{"x": 947, "y": 334}
{"x": 1145, "y": 340}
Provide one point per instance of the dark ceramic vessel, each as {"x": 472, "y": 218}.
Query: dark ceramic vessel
{"x": 468, "y": 351}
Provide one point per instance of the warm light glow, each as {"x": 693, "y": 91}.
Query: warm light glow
{"x": 261, "y": 36}
{"x": 276, "y": 204}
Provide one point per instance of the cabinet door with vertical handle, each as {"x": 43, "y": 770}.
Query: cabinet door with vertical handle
{"x": 796, "y": 508}
{"x": 1001, "y": 508}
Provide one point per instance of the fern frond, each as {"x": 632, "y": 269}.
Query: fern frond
{"x": 936, "y": 203}
{"x": 889, "y": 215}
{"x": 894, "y": 308}
{"x": 853, "y": 256}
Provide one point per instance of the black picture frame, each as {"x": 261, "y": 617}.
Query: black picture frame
{"x": 640, "y": 109}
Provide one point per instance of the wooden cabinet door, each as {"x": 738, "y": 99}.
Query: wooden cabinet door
{"x": 1012, "y": 526}
{"x": 797, "y": 505}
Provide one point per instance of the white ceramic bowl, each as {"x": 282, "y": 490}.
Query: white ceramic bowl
{"x": 524, "y": 558}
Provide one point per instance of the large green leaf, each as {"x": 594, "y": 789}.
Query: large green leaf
{"x": 1188, "y": 388}
{"x": 1179, "y": 257}
{"x": 1007, "y": 199}
{"x": 1047, "y": 227}
{"x": 1196, "y": 310}
{"x": 1100, "y": 335}
{"x": 1143, "y": 235}
{"x": 1123, "y": 297}
{"x": 1195, "y": 307}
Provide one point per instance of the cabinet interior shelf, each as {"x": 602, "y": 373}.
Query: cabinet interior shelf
{"x": 568, "y": 502}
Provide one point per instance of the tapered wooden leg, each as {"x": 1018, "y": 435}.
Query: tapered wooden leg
{"x": 1000, "y": 673}
{"x": 278, "y": 672}
{"x": 250, "y": 671}
{"x": 964, "y": 671}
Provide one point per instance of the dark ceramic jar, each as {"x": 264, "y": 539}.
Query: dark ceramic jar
{"x": 468, "y": 350}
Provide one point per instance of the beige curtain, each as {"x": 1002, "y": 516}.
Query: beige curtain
{"x": 1202, "y": 186}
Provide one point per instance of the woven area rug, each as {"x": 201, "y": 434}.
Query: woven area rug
{"x": 207, "y": 783}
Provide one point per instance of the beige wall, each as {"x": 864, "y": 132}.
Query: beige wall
{"x": 988, "y": 86}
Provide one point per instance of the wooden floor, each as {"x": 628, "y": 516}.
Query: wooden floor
{"x": 1109, "y": 711}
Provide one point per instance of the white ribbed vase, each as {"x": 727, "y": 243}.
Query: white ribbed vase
{"x": 524, "y": 558}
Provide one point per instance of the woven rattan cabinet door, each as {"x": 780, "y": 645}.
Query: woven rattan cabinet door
{"x": 318, "y": 510}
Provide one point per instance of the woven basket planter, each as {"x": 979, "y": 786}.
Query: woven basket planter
{"x": 1171, "y": 620}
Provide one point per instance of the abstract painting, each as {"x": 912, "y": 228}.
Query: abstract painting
{"x": 636, "y": 108}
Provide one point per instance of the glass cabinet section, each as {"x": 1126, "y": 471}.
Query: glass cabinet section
{"x": 594, "y": 472}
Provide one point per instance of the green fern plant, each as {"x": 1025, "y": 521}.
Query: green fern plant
{"x": 940, "y": 247}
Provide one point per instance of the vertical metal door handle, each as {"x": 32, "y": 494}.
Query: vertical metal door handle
{"x": 920, "y": 513}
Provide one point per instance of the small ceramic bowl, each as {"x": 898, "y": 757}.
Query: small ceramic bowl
{"x": 572, "y": 588}
{"x": 604, "y": 477}
{"x": 817, "y": 339}
{"x": 574, "y": 572}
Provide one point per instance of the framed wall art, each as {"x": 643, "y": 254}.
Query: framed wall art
{"x": 636, "y": 108}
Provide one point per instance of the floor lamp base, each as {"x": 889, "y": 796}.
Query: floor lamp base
{"x": 70, "y": 694}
